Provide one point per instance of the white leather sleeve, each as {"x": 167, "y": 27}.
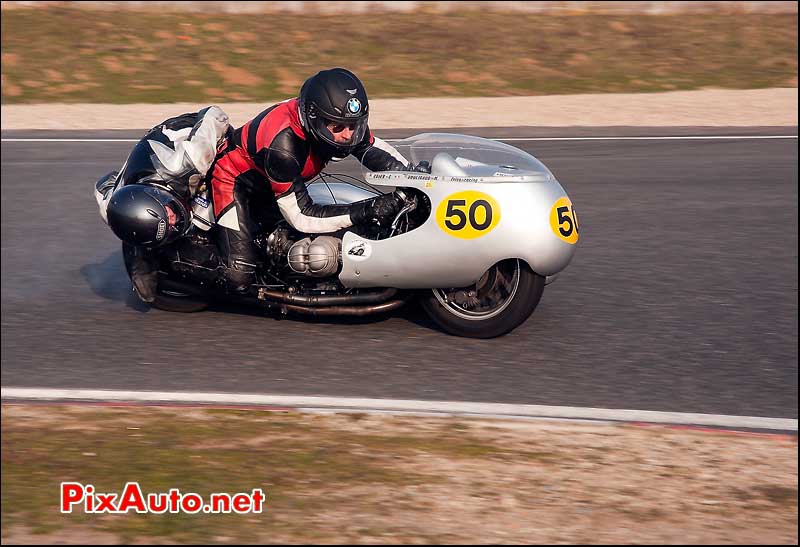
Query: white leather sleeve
{"x": 290, "y": 210}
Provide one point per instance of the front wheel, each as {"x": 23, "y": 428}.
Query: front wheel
{"x": 502, "y": 299}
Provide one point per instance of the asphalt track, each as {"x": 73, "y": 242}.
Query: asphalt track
{"x": 682, "y": 296}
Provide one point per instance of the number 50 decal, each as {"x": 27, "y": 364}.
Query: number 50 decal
{"x": 468, "y": 214}
{"x": 564, "y": 220}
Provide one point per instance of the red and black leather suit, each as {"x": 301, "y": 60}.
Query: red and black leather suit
{"x": 259, "y": 177}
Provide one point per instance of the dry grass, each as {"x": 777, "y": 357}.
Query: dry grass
{"x": 383, "y": 479}
{"x": 65, "y": 55}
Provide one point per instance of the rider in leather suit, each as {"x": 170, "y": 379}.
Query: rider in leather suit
{"x": 259, "y": 174}
{"x": 256, "y": 178}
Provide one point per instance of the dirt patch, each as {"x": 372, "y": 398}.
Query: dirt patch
{"x": 245, "y": 37}
{"x": 148, "y": 87}
{"x": 354, "y": 478}
{"x": 11, "y": 90}
{"x": 620, "y": 26}
{"x": 578, "y": 59}
{"x": 288, "y": 82}
{"x": 9, "y": 59}
{"x": 163, "y": 34}
{"x": 214, "y": 27}
{"x": 233, "y": 75}
{"x": 71, "y": 88}
{"x": 112, "y": 64}
{"x": 53, "y": 75}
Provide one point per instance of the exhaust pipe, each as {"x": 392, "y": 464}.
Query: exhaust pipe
{"x": 357, "y": 311}
{"x": 326, "y": 300}
{"x": 355, "y": 305}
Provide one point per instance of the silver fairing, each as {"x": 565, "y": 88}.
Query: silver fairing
{"x": 524, "y": 193}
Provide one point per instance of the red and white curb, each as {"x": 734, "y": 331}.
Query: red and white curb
{"x": 399, "y": 406}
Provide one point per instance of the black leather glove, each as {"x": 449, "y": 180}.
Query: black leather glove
{"x": 421, "y": 167}
{"x": 381, "y": 208}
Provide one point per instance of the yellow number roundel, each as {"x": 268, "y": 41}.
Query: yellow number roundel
{"x": 564, "y": 220}
{"x": 468, "y": 214}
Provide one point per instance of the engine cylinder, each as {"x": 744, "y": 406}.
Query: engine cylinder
{"x": 319, "y": 257}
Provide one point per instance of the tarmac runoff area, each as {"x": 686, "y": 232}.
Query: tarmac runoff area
{"x": 776, "y": 107}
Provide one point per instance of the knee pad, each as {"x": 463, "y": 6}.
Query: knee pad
{"x": 240, "y": 274}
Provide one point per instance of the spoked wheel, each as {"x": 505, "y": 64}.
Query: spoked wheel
{"x": 502, "y": 299}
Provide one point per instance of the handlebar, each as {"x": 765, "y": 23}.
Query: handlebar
{"x": 410, "y": 205}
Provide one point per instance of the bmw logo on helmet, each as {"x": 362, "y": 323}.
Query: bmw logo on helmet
{"x": 354, "y": 106}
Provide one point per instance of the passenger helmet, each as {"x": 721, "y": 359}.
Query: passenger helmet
{"x": 147, "y": 215}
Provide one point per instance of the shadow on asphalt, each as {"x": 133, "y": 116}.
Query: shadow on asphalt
{"x": 109, "y": 280}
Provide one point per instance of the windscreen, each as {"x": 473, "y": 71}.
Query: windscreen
{"x": 465, "y": 156}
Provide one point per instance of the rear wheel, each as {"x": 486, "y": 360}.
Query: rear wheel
{"x": 502, "y": 299}
{"x": 168, "y": 297}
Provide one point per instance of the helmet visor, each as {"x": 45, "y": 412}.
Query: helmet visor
{"x": 176, "y": 216}
{"x": 342, "y": 134}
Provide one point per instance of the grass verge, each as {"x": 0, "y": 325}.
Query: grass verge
{"x": 366, "y": 479}
{"x": 72, "y": 55}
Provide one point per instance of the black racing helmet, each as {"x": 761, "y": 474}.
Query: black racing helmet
{"x": 147, "y": 215}
{"x": 334, "y": 96}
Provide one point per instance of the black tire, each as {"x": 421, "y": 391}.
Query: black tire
{"x": 170, "y": 298}
{"x": 511, "y": 291}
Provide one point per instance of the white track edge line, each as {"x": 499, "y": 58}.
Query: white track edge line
{"x": 402, "y": 405}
